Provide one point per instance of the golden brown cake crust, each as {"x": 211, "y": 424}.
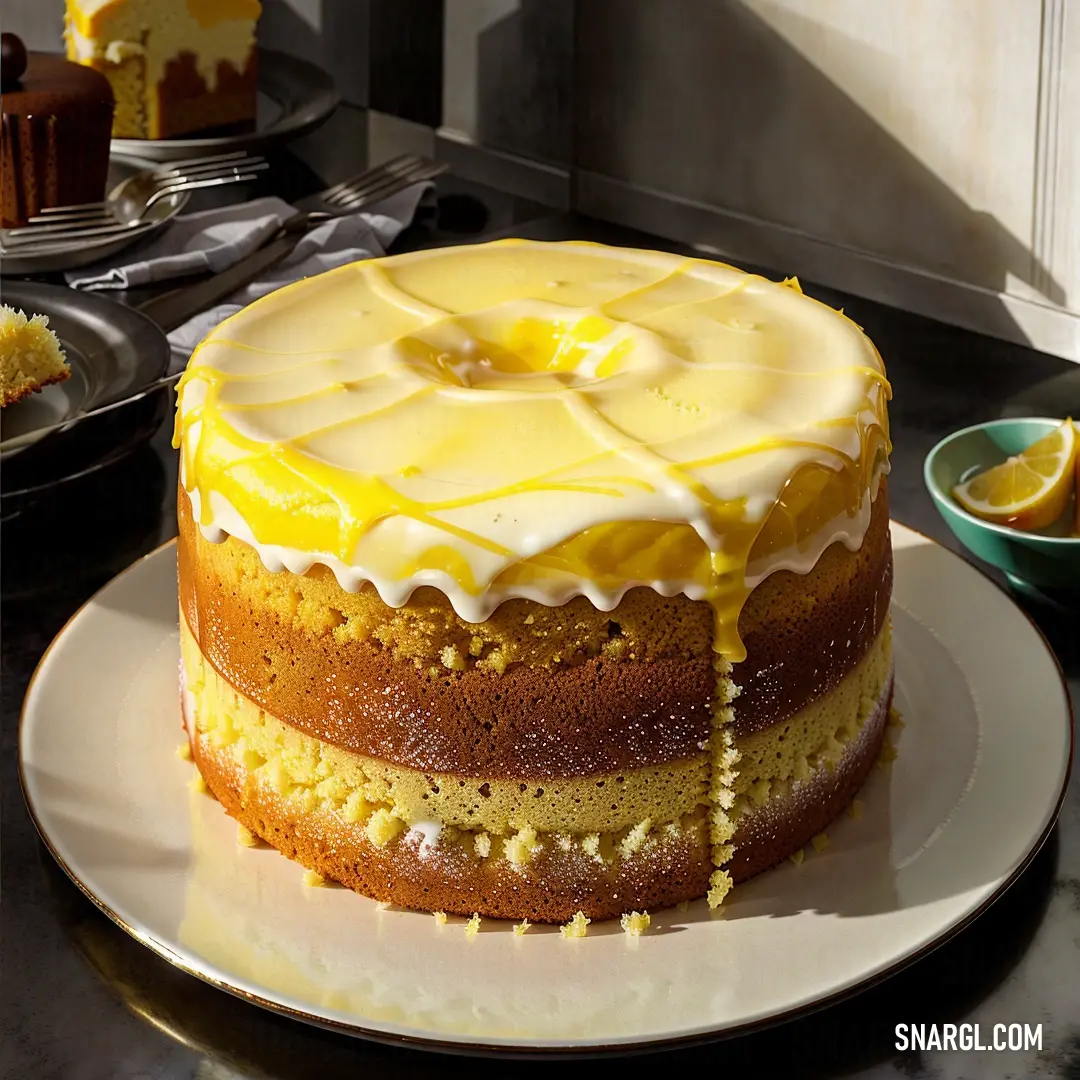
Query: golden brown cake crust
{"x": 593, "y": 714}
{"x": 784, "y": 825}
{"x": 804, "y": 634}
{"x": 554, "y": 887}
{"x": 19, "y": 392}
{"x": 398, "y": 874}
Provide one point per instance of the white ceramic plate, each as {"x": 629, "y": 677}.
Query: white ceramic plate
{"x": 982, "y": 766}
{"x": 295, "y": 97}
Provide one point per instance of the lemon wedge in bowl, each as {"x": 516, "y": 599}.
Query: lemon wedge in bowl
{"x": 1030, "y": 490}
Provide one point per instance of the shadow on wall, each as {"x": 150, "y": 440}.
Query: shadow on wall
{"x": 337, "y": 40}
{"x": 711, "y": 104}
{"x": 731, "y": 115}
{"x": 524, "y": 67}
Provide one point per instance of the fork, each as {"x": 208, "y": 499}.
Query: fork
{"x": 173, "y": 309}
{"x": 371, "y": 186}
{"x": 125, "y": 208}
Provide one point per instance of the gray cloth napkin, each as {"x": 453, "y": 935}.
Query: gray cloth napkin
{"x": 213, "y": 240}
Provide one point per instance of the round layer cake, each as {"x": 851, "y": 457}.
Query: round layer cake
{"x": 527, "y": 579}
{"x": 54, "y": 142}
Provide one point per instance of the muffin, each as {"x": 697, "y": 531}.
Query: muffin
{"x": 54, "y": 143}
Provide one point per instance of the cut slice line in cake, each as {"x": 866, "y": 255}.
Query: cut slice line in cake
{"x": 639, "y": 652}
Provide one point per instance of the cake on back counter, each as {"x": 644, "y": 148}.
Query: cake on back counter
{"x": 177, "y": 67}
{"x": 530, "y": 579}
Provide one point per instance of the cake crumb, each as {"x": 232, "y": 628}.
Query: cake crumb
{"x": 635, "y": 923}
{"x": 382, "y": 905}
{"x": 521, "y": 927}
{"x": 183, "y": 751}
{"x": 530, "y": 619}
{"x": 472, "y": 927}
{"x": 887, "y": 755}
{"x": 895, "y": 719}
{"x": 482, "y": 845}
{"x": 759, "y": 791}
{"x": 683, "y": 905}
{"x": 635, "y": 838}
{"x": 719, "y": 886}
{"x": 820, "y": 842}
{"x": 520, "y": 848}
{"x": 197, "y": 783}
{"x": 440, "y": 918}
{"x": 382, "y": 827}
{"x": 245, "y": 837}
{"x": 476, "y": 646}
{"x": 590, "y": 844}
{"x": 797, "y": 857}
{"x": 355, "y": 807}
{"x": 576, "y": 927}
{"x": 856, "y": 809}
{"x": 451, "y": 658}
{"x": 313, "y": 878}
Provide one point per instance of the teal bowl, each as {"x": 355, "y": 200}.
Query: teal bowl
{"x": 1030, "y": 560}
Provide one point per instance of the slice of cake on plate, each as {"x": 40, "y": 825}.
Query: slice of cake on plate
{"x": 30, "y": 355}
{"x": 176, "y": 66}
{"x": 54, "y": 139}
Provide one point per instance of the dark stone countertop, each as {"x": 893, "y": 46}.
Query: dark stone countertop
{"x": 83, "y": 1001}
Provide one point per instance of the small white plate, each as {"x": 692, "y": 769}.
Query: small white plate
{"x": 983, "y": 761}
{"x": 295, "y": 97}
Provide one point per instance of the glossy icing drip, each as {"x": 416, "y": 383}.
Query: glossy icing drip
{"x": 535, "y": 420}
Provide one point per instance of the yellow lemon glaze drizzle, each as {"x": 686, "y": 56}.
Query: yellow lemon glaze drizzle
{"x": 540, "y": 420}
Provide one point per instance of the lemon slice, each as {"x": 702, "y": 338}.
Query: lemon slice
{"x": 1076, "y": 525}
{"x": 1030, "y": 490}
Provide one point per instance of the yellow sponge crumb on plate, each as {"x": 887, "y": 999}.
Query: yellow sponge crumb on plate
{"x": 576, "y": 927}
{"x": 635, "y": 923}
{"x": 472, "y": 927}
{"x": 313, "y": 879}
{"x": 440, "y": 918}
{"x": 30, "y": 355}
{"x": 245, "y": 837}
{"x": 521, "y": 927}
{"x": 719, "y": 886}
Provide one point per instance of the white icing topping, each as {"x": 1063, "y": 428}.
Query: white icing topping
{"x": 457, "y": 417}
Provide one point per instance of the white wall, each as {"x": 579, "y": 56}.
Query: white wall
{"x": 40, "y": 25}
